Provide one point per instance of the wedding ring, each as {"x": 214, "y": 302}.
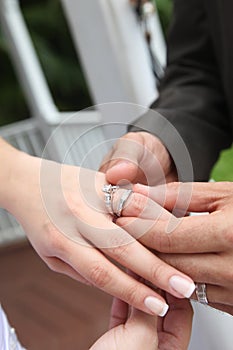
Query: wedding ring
{"x": 122, "y": 201}
{"x": 109, "y": 191}
{"x": 201, "y": 293}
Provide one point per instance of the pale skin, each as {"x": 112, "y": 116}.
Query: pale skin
{"x": 133, "y": 329}
{"x": 59, "y": 206}
{"x": 140, "y": 158}
{"x": 199, "y": 245}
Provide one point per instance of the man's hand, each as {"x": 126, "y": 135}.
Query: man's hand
{"x": 135, "y": 330}
{"x": 139, "y": 157}
{"x": 202, "y": 245}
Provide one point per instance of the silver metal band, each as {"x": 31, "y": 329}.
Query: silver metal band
{"x": 201, "y": 293}
{"x": 108, "y": 193}
{"x": 123, "y": 199}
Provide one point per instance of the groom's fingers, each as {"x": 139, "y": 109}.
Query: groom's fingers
{"x": 177, "y": 325}
{"x": 199, "y": 197}
{"x": 208, "y": 268}
{"x": 147, "y": 323}
{"x": 141, "y": 206}
{"x": 122, "y": 162}
{"x": 225, "y": 308}
{"x": 119, "y": 313}
{"x": 193, "y": 234}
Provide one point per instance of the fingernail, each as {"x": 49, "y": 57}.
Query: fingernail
{"x": 156, "y": 306}
{"x": 182, "y": 285}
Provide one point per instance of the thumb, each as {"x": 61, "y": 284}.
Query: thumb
{"x": 122, "y": 162}
{"x": 124, "y": 170}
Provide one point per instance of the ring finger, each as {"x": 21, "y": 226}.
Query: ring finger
{"x": 217, "y": 295}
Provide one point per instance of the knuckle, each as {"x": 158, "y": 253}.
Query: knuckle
{"x": 53, "y": 266}
{"x": 158, "y": 271}
{"x": 162, "y": 242}
{"x": 224, "y": 188}
{"x": 131, "y": 294}
{"x": 99, "y": 275}
{"x": 73, "y": 205}
{"x": 226, "y": 233}
{"x": 227, "y": 275}
{"x": 220, "y": 194}
{"x": 127, "y": 141}
{"x": 120, "y": 253}
{"x": 174, "y": 185}
{"x": 55, "y": 241}
{"x": 138, "y": 203}
{"x": 131, "y": 136}
{"x": 229, "y": 278}
{"x": 228, "y": 237}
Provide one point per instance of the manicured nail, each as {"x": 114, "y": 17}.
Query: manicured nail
{"x": 182, "y": 285}
{"x": 156, "y": 306}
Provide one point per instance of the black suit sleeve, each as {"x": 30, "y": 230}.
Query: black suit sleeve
{"x": 191, "y": 94}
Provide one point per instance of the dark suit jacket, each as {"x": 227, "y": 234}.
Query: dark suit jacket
{"x": 196, "y": 94}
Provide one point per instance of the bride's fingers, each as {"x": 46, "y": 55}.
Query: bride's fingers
{"x": 57, "y": 265}
{"x": 119, "y": 245}
{"x": 176, "y": 235}
{"x": 141, "y": 261}
{"x": 98, "y": 270}
{"x": 176, "y": 327}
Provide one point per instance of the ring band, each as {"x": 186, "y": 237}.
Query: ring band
{"x": 109, "y": 190}
{"x": 201, "y": 293}
{"x": 123, "y": 199}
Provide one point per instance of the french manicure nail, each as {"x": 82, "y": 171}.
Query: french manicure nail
{"x": 182, "y": 285}
{"x": 156, "y": 306}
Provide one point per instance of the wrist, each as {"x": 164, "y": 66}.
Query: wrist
{"x": 7, "y": 154}
{"x": 13, "y": 162}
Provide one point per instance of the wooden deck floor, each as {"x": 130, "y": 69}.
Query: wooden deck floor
{"x": 49, "y": 310}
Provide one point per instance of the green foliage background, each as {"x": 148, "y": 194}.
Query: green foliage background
{"x": 50, "y": 35}
{"x": 165, "y": 8}
{"x": 53, "y": 44}
{"x": 223, "y": 169}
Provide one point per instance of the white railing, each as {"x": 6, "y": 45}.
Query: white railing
{"x": 27, "y": 137}
{"x": 116, "y": 63}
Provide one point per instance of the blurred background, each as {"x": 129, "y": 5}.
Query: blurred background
{"x": 48, "y": 310}
{"x": 50, "y": 34}
{"x": 52, "y": 40}
{"x": 51, "y": 37}
{"x": 51, "y": 311}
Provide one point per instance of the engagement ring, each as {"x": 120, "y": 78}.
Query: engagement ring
{"x": 115, "y": 205}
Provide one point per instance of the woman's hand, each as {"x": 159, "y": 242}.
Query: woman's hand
{"x": 62, "y": 211}
{"x": 201, "y": 245}
{"x": 133, "y": 329}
